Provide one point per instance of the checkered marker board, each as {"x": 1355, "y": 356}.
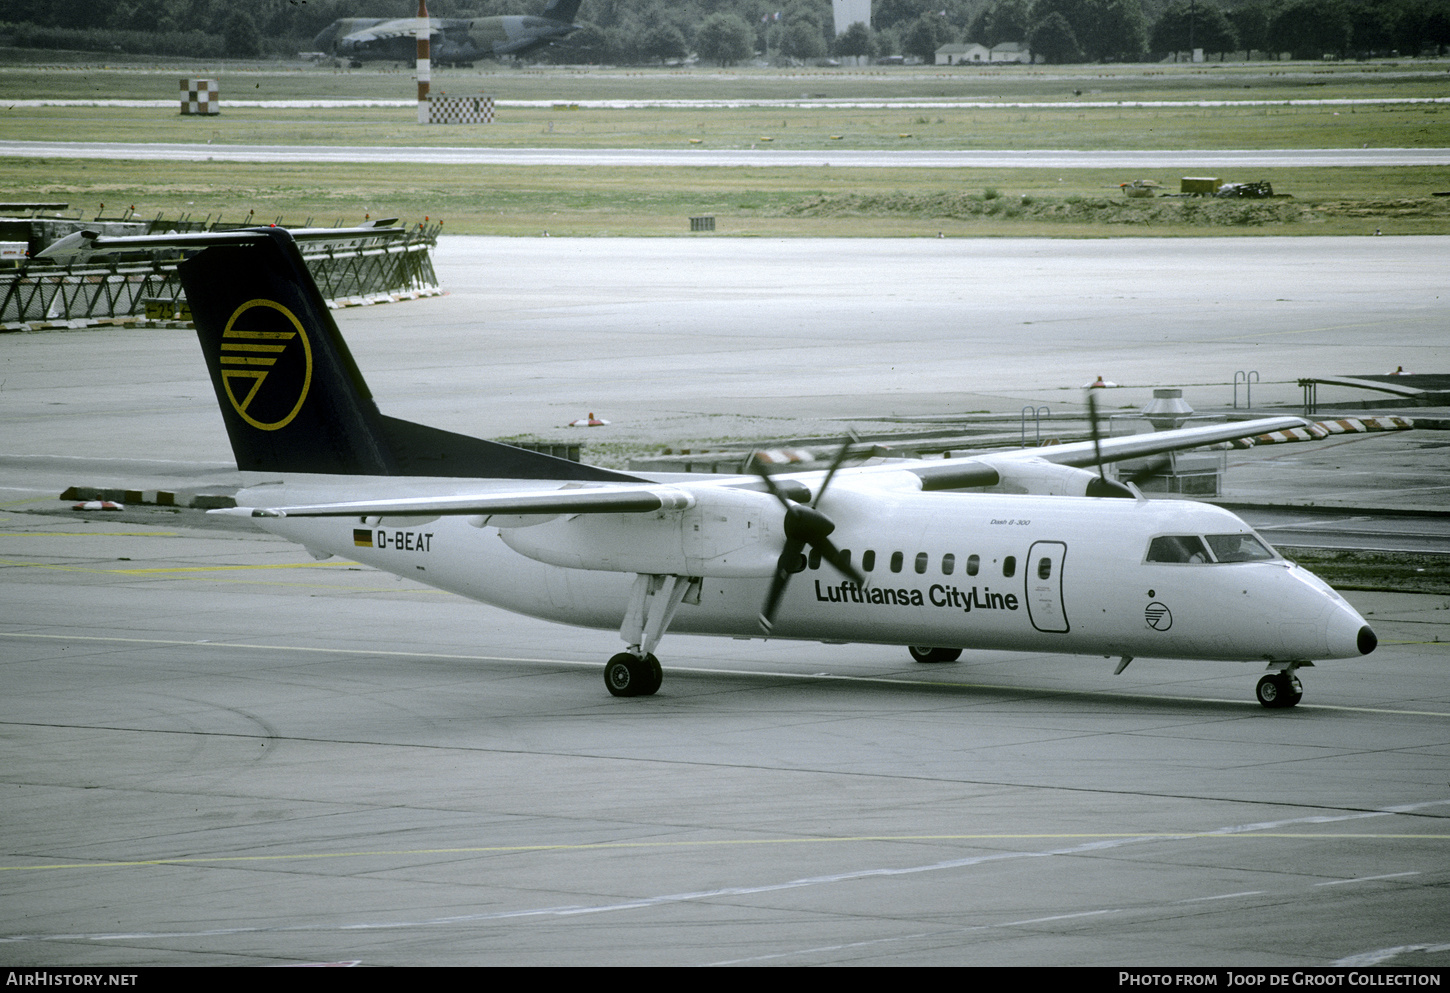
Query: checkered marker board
{"x": 459, "y": 110}
{"x": 200, "y": 97}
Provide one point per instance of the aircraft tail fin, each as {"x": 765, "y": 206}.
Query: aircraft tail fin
{"x": 561, "y": 10}
{"x": 292, "y": 396}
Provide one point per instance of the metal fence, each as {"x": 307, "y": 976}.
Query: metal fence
{"x": 354, "y": 271}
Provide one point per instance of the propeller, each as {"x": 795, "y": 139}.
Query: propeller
{"x": 805, "y": 526}
{"x": 1103, "y": 486}
{"x": 1151, "y": 470}
{"x": 1114, "y": 488}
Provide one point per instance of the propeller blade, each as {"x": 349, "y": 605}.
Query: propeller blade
{"x": 852, "y": 438}
{"x": 843, "y": 565}
{"x": 797, "y": 492}
{"x": 1097, "y": 433}
{"x": 788, "y": 557}
{"x": 1147, "y": 472}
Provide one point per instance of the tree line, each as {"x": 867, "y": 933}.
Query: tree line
{"x": 629, "y": 32}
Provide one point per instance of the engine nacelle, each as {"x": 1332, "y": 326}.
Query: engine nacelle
{"x": 727, "y": 533}
{"x": 1042, "y": 478}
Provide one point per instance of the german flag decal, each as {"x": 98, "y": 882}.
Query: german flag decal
{"x": 362, "y": 537}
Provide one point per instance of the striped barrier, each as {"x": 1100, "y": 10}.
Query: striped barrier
{"x": 1323, "y": 429}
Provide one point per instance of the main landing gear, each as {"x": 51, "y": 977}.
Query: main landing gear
{"x": 629, "y": 675}
{"x": 921, "y": 653}
{"x": 1280, "y": 688}
{"x": 653, "y": 601}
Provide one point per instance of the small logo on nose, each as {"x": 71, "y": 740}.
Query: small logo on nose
{"x": 1158, "y": 616}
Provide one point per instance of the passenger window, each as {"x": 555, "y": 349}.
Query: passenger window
{"x": 1177, "y": 548}
{"x": 815, "y": 561}
{"x": 1044, "y": 569}
{"x": 1238, "y": 548}
{"x": 896, "y": 560}
{"x": 974, "y": 562}
{"x": 921, "y": 561}
{"x": 868, "y": 560}
{"x": 948, "y": 563}
{"x": 1009, "y": 566}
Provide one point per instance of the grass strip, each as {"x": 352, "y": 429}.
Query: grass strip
{"x": 784, "y": 202}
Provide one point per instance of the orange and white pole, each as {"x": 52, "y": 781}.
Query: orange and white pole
{"x": 424, "y": 73}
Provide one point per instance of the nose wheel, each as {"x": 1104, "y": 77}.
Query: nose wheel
{"x": 1279, "y": 690}
{"x": 922, "y": 653}
{"x": 629, "y": 675}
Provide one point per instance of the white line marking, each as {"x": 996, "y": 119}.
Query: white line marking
{"x": 1367, "y": 879}
{"x": 577, "y": 910}
{"x": 1385, "y": 954}
{"x": 1221, "y": 896}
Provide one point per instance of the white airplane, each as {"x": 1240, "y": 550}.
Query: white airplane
{"x": 1042, "y": 555}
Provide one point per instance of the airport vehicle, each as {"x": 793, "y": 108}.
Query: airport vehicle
{"x": 1024, "y": 550}
{"x": 452, "y": 40}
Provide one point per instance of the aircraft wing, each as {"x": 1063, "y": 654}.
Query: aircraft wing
{"x": 639, "y": 499}
{"x": 949, "y": 474}
{"x": 403, "y": 28}
{"x": 1083, "y": 453}
{"x": 980, "y": 469}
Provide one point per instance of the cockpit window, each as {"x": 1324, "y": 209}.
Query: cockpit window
{"x": 1177, "y": 548}
{"x": 1238, "y": 548}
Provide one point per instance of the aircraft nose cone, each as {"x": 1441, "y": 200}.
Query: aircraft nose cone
{"x": 1347, "y": 634}
{"x": 1367, "y": 641}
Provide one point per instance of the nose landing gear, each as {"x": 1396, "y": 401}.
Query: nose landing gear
{"x": 1279, "y": 689}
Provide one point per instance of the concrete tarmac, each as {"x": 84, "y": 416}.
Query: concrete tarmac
{"x": 215, "y": 750}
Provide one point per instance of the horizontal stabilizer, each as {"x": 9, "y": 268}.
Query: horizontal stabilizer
{"x": 595, "y": 500}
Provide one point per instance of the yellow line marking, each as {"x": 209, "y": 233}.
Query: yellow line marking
{"x": 152, "y": 570}
{"x": 731, "y": 842}
{"x": 234, "y": 347}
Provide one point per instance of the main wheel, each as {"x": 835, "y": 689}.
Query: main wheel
{"x": 1278, "y": 690}
{"x": 627, "y": 674}
{"x": 923, "y": 654}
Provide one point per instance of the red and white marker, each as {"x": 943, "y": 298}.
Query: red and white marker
{"x": 424, "y": 73}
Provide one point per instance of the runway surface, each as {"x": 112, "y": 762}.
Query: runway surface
{"x": 216, "y": 750}
{"x": 706, "y": 157}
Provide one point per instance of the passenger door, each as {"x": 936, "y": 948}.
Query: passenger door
{"x": 1043, "y": 578}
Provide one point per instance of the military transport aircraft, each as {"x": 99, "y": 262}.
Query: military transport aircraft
{"x": 452, "y": 40}
{"x": 1023, "y": 550}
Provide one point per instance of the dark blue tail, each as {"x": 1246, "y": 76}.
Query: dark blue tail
{"x": 291, "y": 395}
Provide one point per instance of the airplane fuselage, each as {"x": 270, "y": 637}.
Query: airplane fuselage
{"x": 451, "y": 39}
{"x": 959, "y": 570}
{"x": 1018, "y": 550}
